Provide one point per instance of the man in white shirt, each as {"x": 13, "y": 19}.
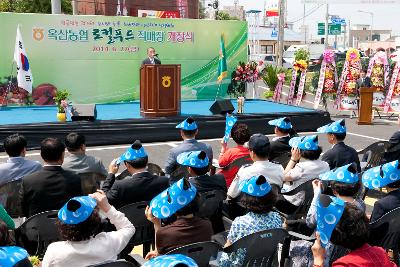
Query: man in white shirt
{"x": 259, "y": 147}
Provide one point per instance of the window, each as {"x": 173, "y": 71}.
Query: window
{"x": 270, "y": 49}
{"x": 264, "y": 49}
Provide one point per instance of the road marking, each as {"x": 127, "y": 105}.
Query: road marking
{"x": 170, "y": 144}
{"x": 366, "y": 136}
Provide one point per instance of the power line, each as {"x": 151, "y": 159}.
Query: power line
{"x": 310, "y": 12}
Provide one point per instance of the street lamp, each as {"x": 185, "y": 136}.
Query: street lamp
{"x": 372, "y": 22}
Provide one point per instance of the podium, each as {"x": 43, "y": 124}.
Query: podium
{"x": 365, "y": 107}
{"x": 160, "y": 90}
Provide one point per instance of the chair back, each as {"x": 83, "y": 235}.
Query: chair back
{"x": 90, "y": 182}
{"x": 282, "y": 159}
{"x": 144, "y": 229}
{"x": 155, "y": 169}
{"x": 303, "y": 208}
{"x": 10, "y": 199}
{"x": 261, "y": 247}
{"x": 211, "y": 203}
{"x": 39, "y": 231}
{"x": 239, "y": 162}
{"x": 118, "y": 263}
{"x": 373, "y": 154}
{"x": 200, "y": 252}
{"x": 385, "y": 232}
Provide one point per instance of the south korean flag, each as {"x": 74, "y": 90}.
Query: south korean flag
{"x": 24, "y": 75}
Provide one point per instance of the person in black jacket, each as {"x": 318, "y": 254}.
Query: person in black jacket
{"x": 140, "y": 186}
{"x": 385, "y": 175}
{"x": 393, "y": 151}
{"x": 51, "y": 187}
{"x": 280, "y": 144}
{"x": 340, "y": 154}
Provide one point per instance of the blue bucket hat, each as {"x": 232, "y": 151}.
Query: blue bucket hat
{"x": 189, "y": 124}
{"x": 329, "y": 211}
{"x": 77, "y": 210}
{"x": 172, "y": 199}
{"x": 230, "y": 121}
{"x": 256, "y": 186}
{"x": 10, "y": 256}
{"x": 336, "y": 127}
{"x": 346, "y": 174}
{"x": 136, "y": 151}
{"x": 381, "y": 176}
{"x": 283, "y": 123}
{"x": 309, "y": 142}
{"x": 195, "y": 159}
{"x": 170, "y": 261}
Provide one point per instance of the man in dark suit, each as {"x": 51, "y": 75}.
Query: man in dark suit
{"x": 363, "y": 81}
{"x": 340, "y": 154}
{"x": 388, "y": 202}
{"x": 151, "y": 57}
{"x": 51, "y": 187}
{"x": 280, "y": 144}
{"x": 140, "y": 186}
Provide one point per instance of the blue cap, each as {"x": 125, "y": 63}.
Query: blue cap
{"x": 329, "y": 211}
{"x": 170, "y": 260}
{"x": 77, "y": 210}
{"x": 189, "y": 124}
{"x": 336, "y": 127}
{"x": 10, "y": 256}
{"x": 172, "y": 199}
{"x": 309, "y": 142}
{"x": 256, "y": 186}
{"x": 229, "y": 122}
{"x": 195, "y": 159}
{"x": 136, "y": 151}
{"x": 383, "y": 175}
{"x": 346, "y": 174}
{"x": 283, "y": 123}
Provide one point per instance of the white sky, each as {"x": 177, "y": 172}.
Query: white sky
{"x": 386, "y": 16}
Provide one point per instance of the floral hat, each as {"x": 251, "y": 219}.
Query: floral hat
{"x": 136, "y": 151}
{"x": 11, "y": 255}
{"x": 172, "y": 199}
{"x": 170, "y": 261}
{"x": 283, "y": 123}
{"x": 77, "y": 210}
{"x": 309, "y": 142}
{"x": 195, "y": 159}
{"x": 329, "y": 211}
{"x": 346, "y": 174}
{"x": 383, "y": 175}
{"x": 189, "y": 124}
{"x": 256, "y": 186}
{"x": 336, "y": 127}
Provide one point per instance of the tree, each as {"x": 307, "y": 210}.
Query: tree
{"x": 225, "y": 16}
{"x": 33, "y": 6}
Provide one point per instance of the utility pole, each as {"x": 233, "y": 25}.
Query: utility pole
{"x": 326, "y": 25}
{"x": 55, "y": 6}
{"x": 345, "y": 34}
{"x": 281, "y": 32}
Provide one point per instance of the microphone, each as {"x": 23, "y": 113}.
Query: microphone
{"x": 156, "y": 55}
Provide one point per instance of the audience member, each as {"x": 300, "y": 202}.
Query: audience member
{"x": 340, "y": 154}
{"x": 79, "y": 224}
{"x": 188, "y": 129}
{"x": 347, "y": 226}
{"x": 258, "y": 197}
{"x": 280, "y": 143}
{"x": 393, "y": 151}
{"x": 298, "y": 172}
{"x": 14, "y": 257}
{"x": 140, "y": 186}
{"x": 385, "y": 175}
{"x": 17, "y": 166}
{"x": 51, "y": 187}
{"x": 6, "y": 218}
{"x": 197, "y": 164}
{"x": 5, "y": 238}
{"x": 259, "y": 150}
{"x": 78, "y": 161}
{"x": 240, "y": 134}
{"x": 182, "y": 200}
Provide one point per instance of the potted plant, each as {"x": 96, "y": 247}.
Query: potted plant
{"x": 270, "y": 78}
{"x": 62, "y": 104}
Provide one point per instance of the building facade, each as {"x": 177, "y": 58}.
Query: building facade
{"x": 186, "y": 8}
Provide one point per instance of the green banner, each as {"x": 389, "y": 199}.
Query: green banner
{"x": 97, "y": 58}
